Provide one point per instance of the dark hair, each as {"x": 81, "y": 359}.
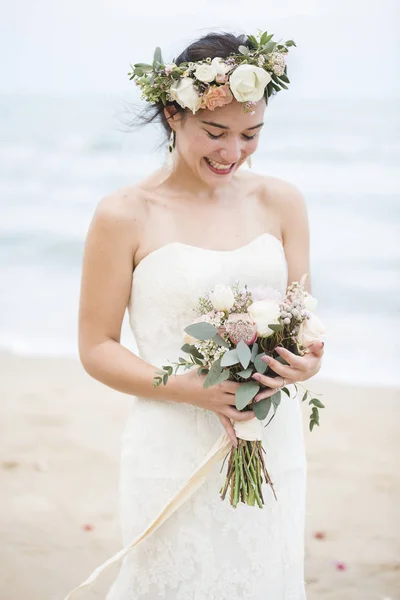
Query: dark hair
{"x": 212, "y": 45}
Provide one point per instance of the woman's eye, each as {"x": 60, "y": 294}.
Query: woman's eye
{"x": 214, "y": 137}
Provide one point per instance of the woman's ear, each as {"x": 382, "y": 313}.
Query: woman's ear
{"x": 171, "y": 114}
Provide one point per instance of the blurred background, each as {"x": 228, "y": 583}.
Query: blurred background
{"x": 65, "y": 143}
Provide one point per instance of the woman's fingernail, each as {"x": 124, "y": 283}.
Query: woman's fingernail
{"x": 256, "y": 376}
{"x": 278, "y": 349}
{"x": 265, "y": 359}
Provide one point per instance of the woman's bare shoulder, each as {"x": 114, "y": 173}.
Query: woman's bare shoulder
{"x": 125, "y": 204}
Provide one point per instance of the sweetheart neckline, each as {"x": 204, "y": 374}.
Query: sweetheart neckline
{"x": 212, "y": 250}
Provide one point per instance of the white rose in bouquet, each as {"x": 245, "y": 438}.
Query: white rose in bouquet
{"x": 311, "y": 330}
{"x": 222, "y": 297}
{"x": 310, "y": 302}
{"x": 248, "y": 83}
{"x": 185, "y": 94}
{"x": 264, "y": 313}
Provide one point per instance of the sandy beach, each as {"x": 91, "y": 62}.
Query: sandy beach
{"x": 59, "y": 451}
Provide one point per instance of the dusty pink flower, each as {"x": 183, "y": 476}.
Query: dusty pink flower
{"x": 239, "y": 326}
{"x": 217, "y": 95}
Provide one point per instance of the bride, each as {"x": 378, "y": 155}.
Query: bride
{"x": 155, "y": 247}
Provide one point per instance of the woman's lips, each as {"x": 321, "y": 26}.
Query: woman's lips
{"x": 219, "y": 171}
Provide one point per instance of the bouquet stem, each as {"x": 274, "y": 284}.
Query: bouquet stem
{"x": 246, "y": 468}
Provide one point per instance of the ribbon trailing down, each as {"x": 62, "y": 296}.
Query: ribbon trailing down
{"x": 198, "y": 477}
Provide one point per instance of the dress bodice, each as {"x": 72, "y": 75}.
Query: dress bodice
{"x": 168, "y": 282}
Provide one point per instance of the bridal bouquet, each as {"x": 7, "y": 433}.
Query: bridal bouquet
{"x": 234, "y": 327}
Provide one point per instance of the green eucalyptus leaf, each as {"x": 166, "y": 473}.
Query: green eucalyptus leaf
{"x": 230, "y": 358}
{"x": 262, "y": 408}
{"x": 305, "y": 396}
{"x": 312, "y": 423}
{"x": 213, "y": 374}
{"x": 269, "y": 47}
{"x": 246, "y": 373}
{"x": 254, "y": 351}
{"x": 276, "y": 328}
{"x": 284, "y": 78}
{"x": 253, "y": 41}
{"x": 259, "y": 364}
{"x": 244, "y": 354}
{"x": 243, "y": 50}
{"x": 138, "y": 72}
{"x": 284, "y": 389}
{"x": 290, "y": 43}
{"x": 220, "y": 341}
{"x": 245, "y": 393}
{"x": 317, "y": 403}
{"x": 157, "y": 57}
{"x": 201, "y": 331}
{"x": 144, "y": 66}
{"x": 276, "y": 399}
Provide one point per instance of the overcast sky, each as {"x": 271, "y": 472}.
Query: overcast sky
{"x": 345, "y": 47}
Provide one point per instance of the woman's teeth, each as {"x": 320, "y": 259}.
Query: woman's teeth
{"x": 218, "y": 166}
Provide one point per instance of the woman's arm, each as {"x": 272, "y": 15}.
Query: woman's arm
{"x": 295, "y": 232}
{"x": 108, "y": 264}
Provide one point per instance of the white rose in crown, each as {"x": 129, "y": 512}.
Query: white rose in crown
{"x": 206, "y": 72}
{"x": 311, "y": 330}
{"x": 185, "y": 94}
{"x": 222, "y": 297}
{"x": 310, "y": 303}
{"x": 264, "y": 312}
{"x": 221, "y": 67}
{"x": 248, "y": 82}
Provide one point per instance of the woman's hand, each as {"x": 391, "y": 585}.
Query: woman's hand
{"x": 218, "y": 398}
{"x": 299, "y": 368}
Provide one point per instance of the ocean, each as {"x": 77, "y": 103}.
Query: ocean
{"x": 60, "y": 154}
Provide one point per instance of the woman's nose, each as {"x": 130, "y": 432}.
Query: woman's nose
{"x": 231, "y": 151}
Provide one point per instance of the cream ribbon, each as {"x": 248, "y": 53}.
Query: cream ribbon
{"x": 245, "y": 430}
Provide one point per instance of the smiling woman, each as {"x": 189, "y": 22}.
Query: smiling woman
{"x": 215, "y": 224}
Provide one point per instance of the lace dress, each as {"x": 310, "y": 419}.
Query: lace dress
{"x": 206, "y": 550}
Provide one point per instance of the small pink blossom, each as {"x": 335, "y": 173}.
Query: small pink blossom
{"x": 222, "y": 78}
{"x": 216, "y": 95}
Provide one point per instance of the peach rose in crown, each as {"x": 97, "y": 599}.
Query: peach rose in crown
{"x": 217, "y": 95}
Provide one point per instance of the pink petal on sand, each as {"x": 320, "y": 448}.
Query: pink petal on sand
{"x": 340, "y": 566}
{"x": 320, "y": 535}
{"x": 87, "y": 527}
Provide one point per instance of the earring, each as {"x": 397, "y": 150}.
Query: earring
{"x": 249, "y": 162}
{"x": 171, "y": 150}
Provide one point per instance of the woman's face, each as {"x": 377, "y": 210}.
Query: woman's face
{"x": 213, "y": 144}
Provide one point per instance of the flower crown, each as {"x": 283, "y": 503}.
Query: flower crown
{"x": 258, "y": 70}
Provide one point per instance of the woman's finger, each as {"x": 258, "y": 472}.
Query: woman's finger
{"x": 238, "y": 415}
{"x": 282, "y": 370}
{"x": 317, "y": 348}
{"x": 295, "y": 361}
{"x": 226, "y": 422}
{"x": 271, "y": 382}
{"x": 265, "y": 394}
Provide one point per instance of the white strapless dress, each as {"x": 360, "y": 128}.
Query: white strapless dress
{"x": 206, "y": 550}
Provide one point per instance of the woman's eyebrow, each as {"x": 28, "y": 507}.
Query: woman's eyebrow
{"x": 225, "y": 127}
